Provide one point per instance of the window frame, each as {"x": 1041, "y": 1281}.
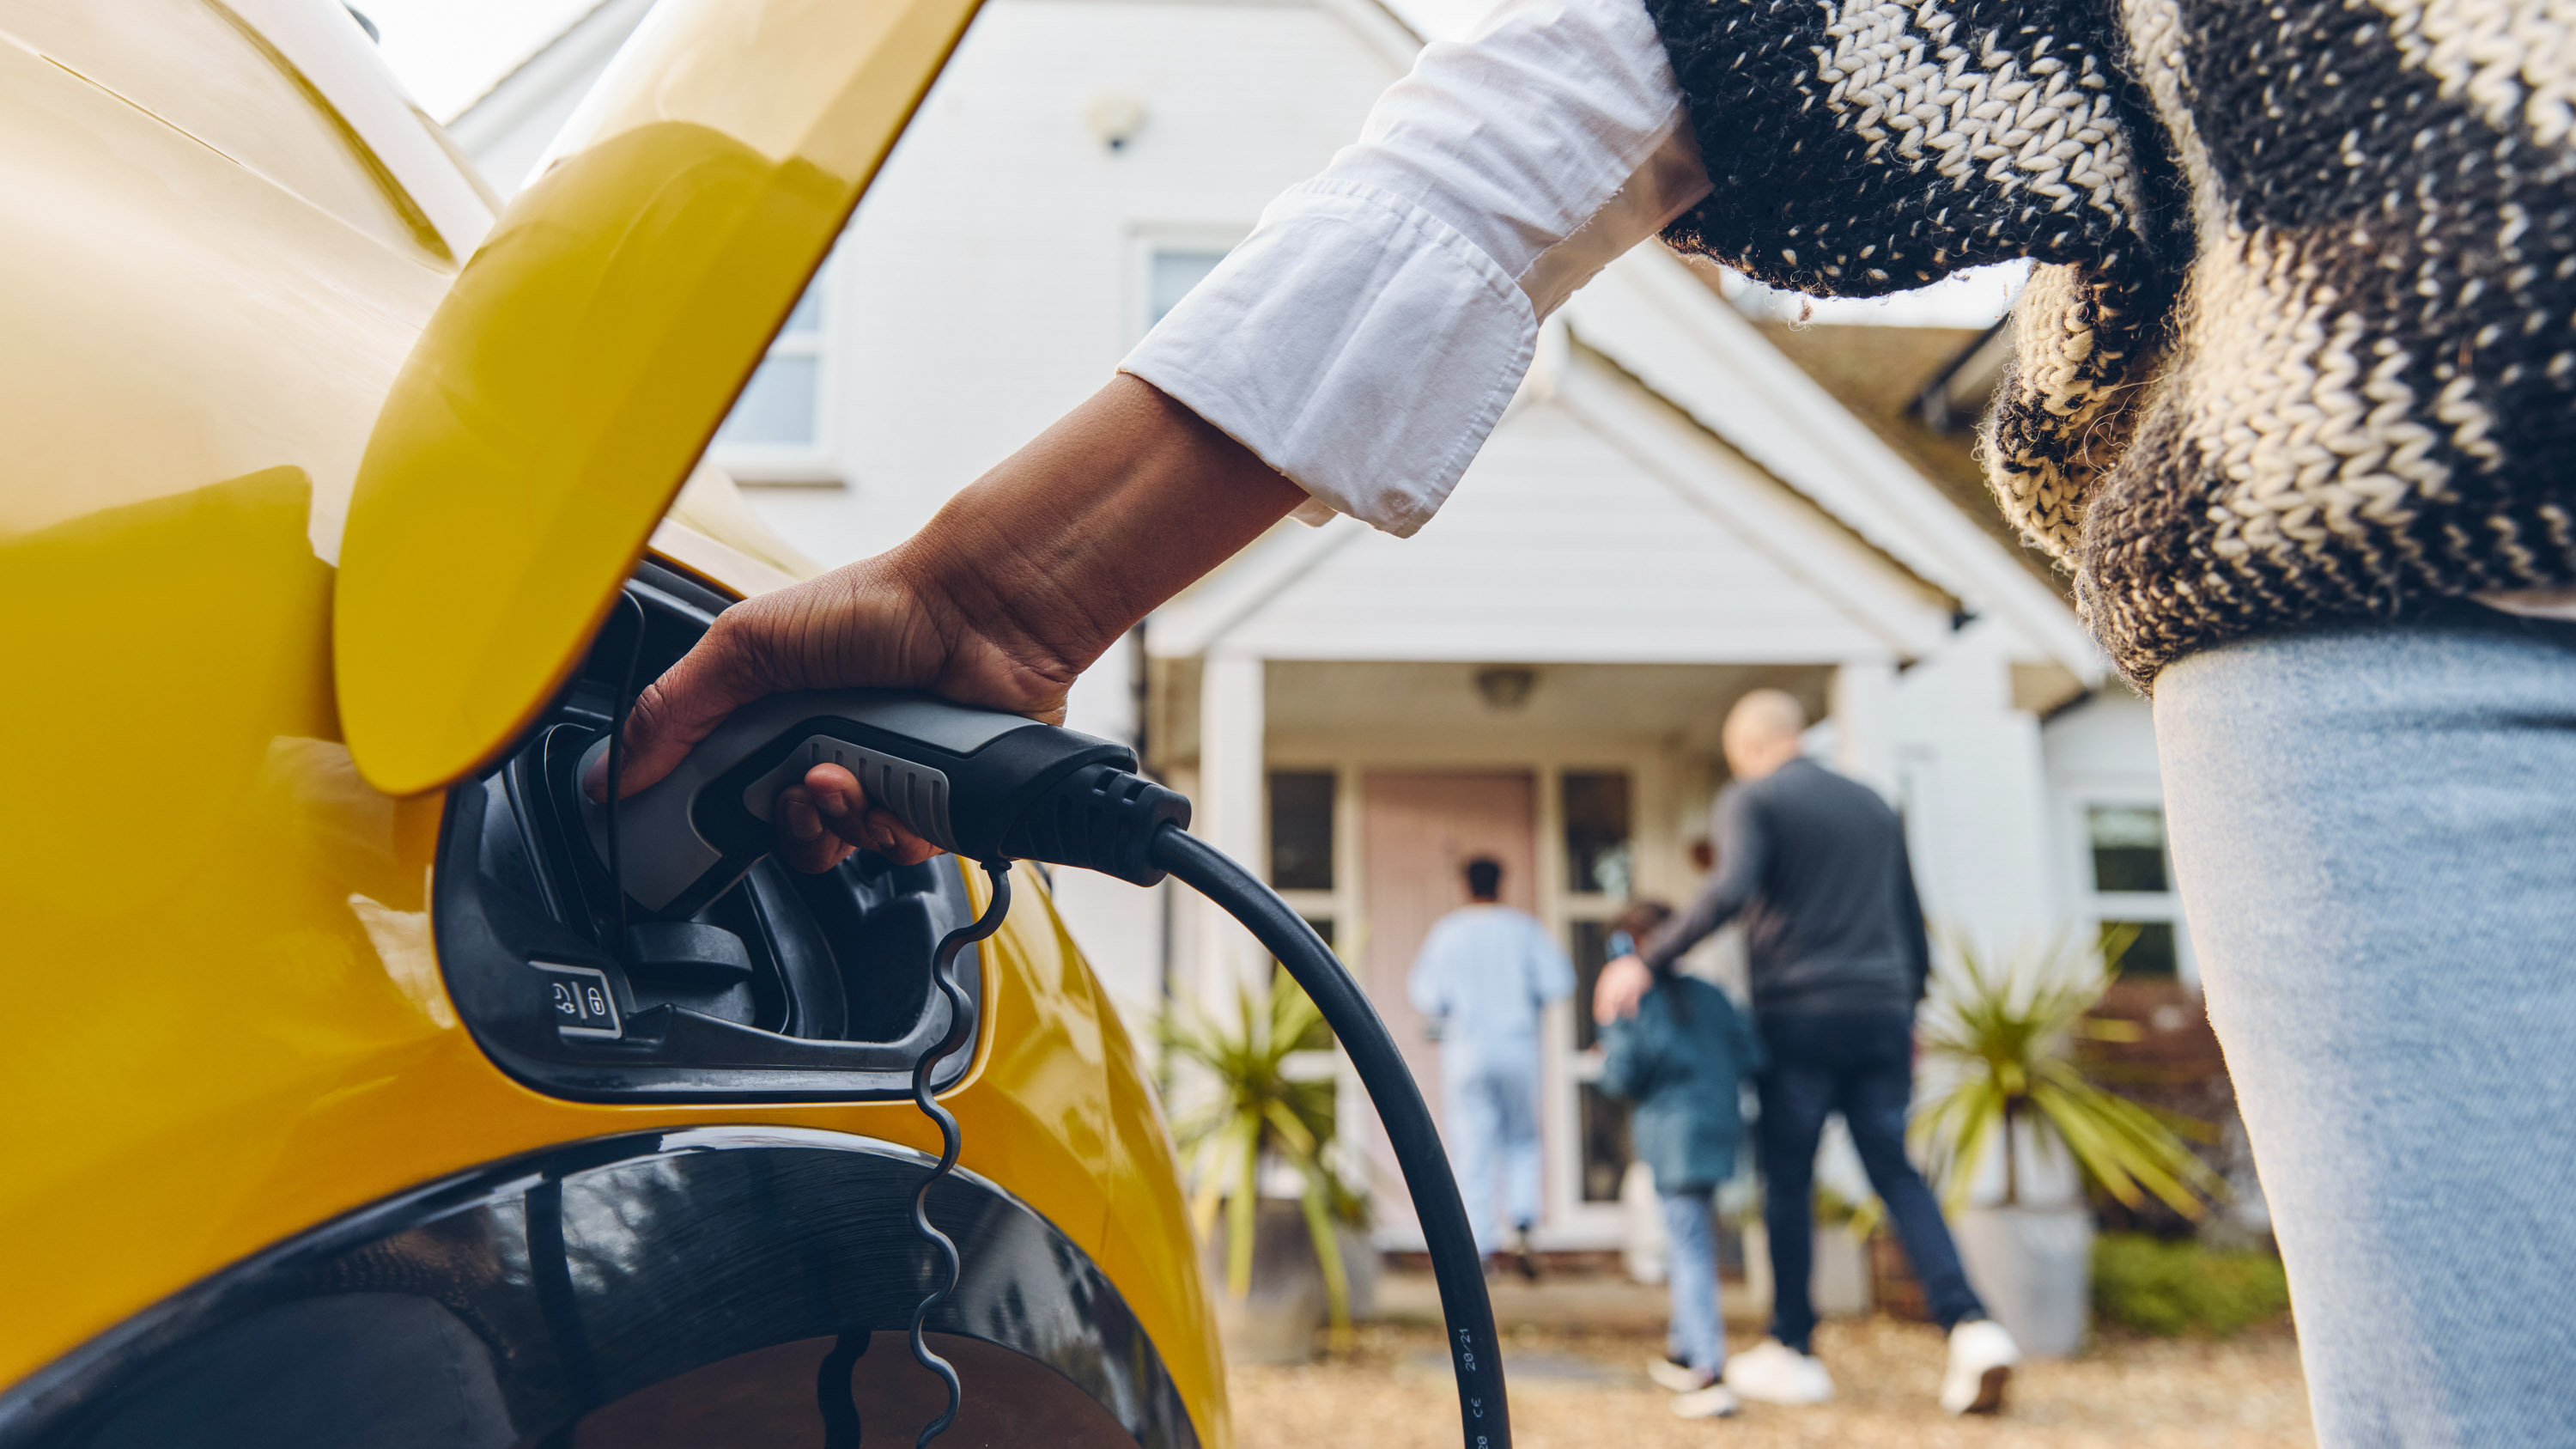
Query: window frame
{"x": 816, "y": 461}
{"x": 2098, "y": 908}
{"x": 1146, "y": 241}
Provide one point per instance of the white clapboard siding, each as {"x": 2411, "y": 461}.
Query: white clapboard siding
{"x": 1559, "y": 545}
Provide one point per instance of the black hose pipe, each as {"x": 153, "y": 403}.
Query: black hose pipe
{"x": 1455, "y": 1264}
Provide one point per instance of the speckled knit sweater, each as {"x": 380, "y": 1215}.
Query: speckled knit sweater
{"x": 2298, "y": 346}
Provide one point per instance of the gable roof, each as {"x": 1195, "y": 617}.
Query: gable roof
{"x": 1662, "y": 324}
{"x": 1601, "y": 525}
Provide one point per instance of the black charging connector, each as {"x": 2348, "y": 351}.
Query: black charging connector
{"x": 996, "y": 788}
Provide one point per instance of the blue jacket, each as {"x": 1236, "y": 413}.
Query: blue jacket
{"x": 1484, "y": 974}
{"x": 1685, "y": 1077}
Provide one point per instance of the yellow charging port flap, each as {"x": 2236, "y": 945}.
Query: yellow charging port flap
{"x": 571, "y": 377}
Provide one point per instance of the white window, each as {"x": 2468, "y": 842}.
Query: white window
{"x": 2131, "y": 891}
{"x": 779, "y": 427}
{"x": 1171, "y": 272}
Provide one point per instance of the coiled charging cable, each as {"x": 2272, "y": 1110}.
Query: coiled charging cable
{"x": 943, "y": 975}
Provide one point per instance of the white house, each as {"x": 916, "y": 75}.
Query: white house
{"x": 1672, "y": 512}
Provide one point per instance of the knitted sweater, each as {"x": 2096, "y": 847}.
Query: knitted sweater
{"x": 2298, "y": 344}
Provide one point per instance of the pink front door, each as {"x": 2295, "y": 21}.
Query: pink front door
{"x": 1418, "y": 830}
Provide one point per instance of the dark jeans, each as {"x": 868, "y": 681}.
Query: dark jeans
{"x": 1863, "y": 1067}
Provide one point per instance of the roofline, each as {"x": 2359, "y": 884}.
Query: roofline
{"x": 1651, "y": 315}
{"x": 1855, "y": 537}
{"x": 1896, "y": 605}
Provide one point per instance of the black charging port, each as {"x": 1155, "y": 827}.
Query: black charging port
{"x": 786, "y": 985}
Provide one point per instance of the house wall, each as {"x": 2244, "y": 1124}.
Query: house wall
{"x": 2102, "y": 753}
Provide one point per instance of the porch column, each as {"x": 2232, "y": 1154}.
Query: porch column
{"x": 1863, "y": 697}
{"x": 1228, "y": 812}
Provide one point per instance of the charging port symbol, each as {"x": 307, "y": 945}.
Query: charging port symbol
{"x": 584, "y": 1006}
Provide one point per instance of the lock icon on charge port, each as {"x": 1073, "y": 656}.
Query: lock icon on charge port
{"x": 583, "y": 1004}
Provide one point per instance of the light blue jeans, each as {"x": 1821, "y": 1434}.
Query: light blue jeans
{"x": 1491, "y": 1095}
{"x": 1690, "y": 1269}
{"x": 2375, "y": 833}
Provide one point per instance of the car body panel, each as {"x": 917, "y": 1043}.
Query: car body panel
{"x": 572, "y": 376}
{"x": 231, "y": 1022}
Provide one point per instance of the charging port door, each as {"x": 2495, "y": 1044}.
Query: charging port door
{"x": 577, "y": 367}
{"x": 781, "y": 985}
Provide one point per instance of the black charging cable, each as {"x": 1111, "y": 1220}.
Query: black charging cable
{"x": 943, "y": 974}
{"x": 620, "y": 706}
{"x": 1456, "y": 1265}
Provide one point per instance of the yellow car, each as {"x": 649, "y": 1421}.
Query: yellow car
{"x": 333, "y": 526}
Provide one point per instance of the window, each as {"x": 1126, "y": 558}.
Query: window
{"x": 1605, "y": 1144}
{"x": 778, "y": 422}
{"x": 1599, "y": 859}
{"x": 1301, "y": 830}
{"x": 2149, "y": 948}
{"x": 2128, "y": 848}
{"x": 2133, "y": 889}
{"x": 1172, "y": 272}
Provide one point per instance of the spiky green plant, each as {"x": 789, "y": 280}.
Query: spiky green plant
{"x": 1257, "y": 1112}
{"x": 2001, "y": 1045}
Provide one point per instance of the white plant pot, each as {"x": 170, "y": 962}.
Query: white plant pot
{"x": 1275, "y": 1323}
{"x": 1839, "y": 1284}
{"x": 2034, "y": 1269}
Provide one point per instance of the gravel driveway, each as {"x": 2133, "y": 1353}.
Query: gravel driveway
{"x": 1585, "y": 1388}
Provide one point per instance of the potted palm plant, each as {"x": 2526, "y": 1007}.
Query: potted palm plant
{"x": 1259, "y": 1120}
{"x": 1998, "y": 1048}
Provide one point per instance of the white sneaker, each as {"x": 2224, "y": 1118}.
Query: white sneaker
{"x": 1982, "y": 1356}
{"x": 1717, "y": 1401}
{"x": 1771, "y": 1372}
{"x": 1680, "y": 1378}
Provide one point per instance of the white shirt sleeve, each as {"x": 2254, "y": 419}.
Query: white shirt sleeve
{"x": 1368, "y": 334}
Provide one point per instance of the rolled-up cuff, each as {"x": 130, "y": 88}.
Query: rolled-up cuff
{"x": 1357, "y": 344}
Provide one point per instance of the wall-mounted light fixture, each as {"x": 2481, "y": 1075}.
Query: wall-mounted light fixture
{"x": 1505, "y": 686}
{"x": 1115, "y": 117}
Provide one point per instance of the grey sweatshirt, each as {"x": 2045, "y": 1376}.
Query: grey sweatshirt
{"x": 1815, "y": 865}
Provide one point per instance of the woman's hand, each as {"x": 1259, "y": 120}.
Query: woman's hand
{"x": 1001, "y": 600}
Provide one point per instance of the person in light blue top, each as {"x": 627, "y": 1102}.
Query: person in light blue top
{"x": 1484, "y": 976}
{"x": 1682, "y": 1060}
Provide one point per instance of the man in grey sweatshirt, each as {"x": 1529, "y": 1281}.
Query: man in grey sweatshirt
{"x": 1814, "y": 866}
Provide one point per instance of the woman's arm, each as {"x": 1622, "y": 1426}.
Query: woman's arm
{"x": 1361, "y": 343}
{"x": 1001, "y": 600}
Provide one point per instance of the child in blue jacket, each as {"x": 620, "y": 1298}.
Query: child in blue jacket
{"x": 1682, "y": 1060}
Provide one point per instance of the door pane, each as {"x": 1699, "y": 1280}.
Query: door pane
{"x": 1605, "y": 1144}
{"x": 1598, "y": 857}
{"x": 1591, "y": 952}
{"x": 1301, "y": 830}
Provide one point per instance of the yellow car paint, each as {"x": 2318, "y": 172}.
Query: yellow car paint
{"x": 228, "y": 1020}
{"x": 590, "y": 348}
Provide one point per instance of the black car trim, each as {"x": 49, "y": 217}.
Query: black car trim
{"x": 591, "y": 1271}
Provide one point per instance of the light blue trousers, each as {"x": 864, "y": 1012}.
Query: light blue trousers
{"x": 2375, "y": 834}
{"x": 1690, "y": 1270}
{"x": 1490, "y": 1093}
